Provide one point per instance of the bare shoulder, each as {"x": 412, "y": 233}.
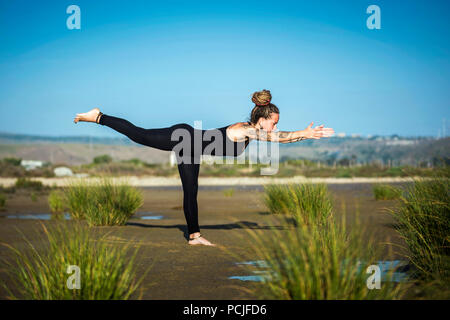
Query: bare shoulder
{"x": 238, "y": 131}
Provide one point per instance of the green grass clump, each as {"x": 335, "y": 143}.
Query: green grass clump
{"x": 12, "y": 161}
{"x": 103, "y": 203}
{"x": 423, "y": 220}
{"x": 343, "y": 173}
{"x": 228, "y": 192}
{"x": 56, "y": 201}
{"x": 386, "y": 192}
{"x": 9, "y": 190}
{"x": 102, "y": 159}
{"x": 318, "y": 258}
{"x": 34, "y": 196}
{"x": 77, "y": 196}
{"x": 106, "y": 271}
{"x": 2, "y": 200}
{"x": 394, "y": 172}
{"x": 26, "y": 183}
{"x": 305, "y": 202}
{"x": 318, "y": 261}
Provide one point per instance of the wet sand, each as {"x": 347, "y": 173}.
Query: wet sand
{"x": 180, "y": 271}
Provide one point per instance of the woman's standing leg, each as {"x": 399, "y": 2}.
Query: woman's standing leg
{"x": 189, "y": 179}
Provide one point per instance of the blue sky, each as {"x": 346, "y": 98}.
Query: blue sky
{"x": 166, "y": 62}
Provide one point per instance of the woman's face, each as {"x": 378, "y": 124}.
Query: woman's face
{"x": 269, "y": 124}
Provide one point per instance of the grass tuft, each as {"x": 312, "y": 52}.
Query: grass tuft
{"x": 2, "y": 201}
{"x": 386, "y": 192}
{"x": 423, "y": 220}
{"x": 26, "y": 183}
{"x": 56, "y": 201}
{"x": 228, "y": 192}
{"x": 318, "y": 258}
{"x": 41, "y": 272}
{"x": 103, "y": 203}
{"x": 305, "y": 202}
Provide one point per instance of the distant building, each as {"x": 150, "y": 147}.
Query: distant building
{"x": 397, "y": 142}
{"x": 62, "y": 172}
{"x": 341, "y": 134}
{"x": 31, "y": 164}
{"x": 355, "y": 135}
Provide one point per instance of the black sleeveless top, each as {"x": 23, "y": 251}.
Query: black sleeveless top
{"x": 230, "y": 147}
{"x": 228, "y": 144}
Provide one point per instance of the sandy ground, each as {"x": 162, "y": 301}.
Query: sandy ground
{"x": 180, "y": 271}
{"x": 153, "y": 181}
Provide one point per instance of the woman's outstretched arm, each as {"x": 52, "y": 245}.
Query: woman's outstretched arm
{"x": 287, "y": 136}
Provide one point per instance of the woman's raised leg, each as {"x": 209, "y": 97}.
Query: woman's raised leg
{"x": 155, "y": 138}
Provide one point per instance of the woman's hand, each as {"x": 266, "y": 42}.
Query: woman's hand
{"x": 318, "y": 132}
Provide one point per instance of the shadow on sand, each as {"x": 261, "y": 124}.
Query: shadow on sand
{"x": 227, "y": 226}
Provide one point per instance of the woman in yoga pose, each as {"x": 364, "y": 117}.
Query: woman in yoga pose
{"x": 231, "y": 141}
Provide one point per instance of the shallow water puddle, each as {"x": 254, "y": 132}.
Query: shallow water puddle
{"x": 256, "y": 263}
{"x": 393, "y": 269}
{"x": 39, "y": 216}
{"x": 49, "y": 216}
{"x": 148, "y": 216}
{"x": 390, "y": 270}
{"x": 261, "y": 275}
{"x": 251, "y": 278}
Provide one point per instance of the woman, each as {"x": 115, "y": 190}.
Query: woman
{"x": 231, "y": 141}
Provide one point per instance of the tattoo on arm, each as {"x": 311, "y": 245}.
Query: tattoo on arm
{"x": 288, "y": 137}
{"x": 280, "y": 136}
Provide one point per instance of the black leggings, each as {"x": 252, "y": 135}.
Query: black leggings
{"x": 161, "y": 139}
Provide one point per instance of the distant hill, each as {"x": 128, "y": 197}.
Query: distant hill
{"x": 7, "y": 138}
{"x": 75, "y": 150}
{"x": 394, "y": 151}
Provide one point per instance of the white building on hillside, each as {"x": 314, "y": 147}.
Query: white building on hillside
{"x": 31, "y": 164}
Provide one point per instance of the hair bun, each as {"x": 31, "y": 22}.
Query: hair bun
{"x": 262, "y": 98}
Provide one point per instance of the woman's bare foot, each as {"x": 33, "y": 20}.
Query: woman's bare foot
{"x": 200, "y": 240}
{"x": 89, "y": 116}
